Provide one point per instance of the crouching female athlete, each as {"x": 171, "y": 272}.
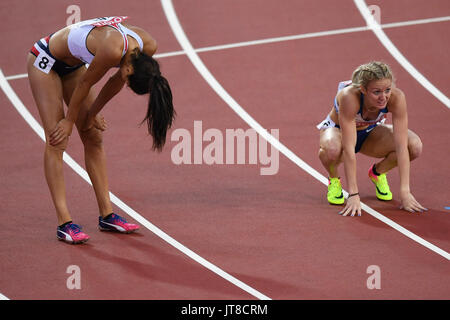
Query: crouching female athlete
{"x": 57, "y": 71}
{"x": 356, "y": 124}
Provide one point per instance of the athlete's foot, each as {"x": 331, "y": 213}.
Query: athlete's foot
{"x": 114, "y": 222}
{"x": 71, "y": 233}
{"x": 381, "y": 185}
{"x": 335, "y": 195}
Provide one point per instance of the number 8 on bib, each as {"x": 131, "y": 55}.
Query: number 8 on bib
{"x": 44, "y": 62}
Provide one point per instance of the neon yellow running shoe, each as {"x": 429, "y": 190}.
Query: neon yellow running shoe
{"x": 381, "y": 185}
{"x": 335, "y": 195}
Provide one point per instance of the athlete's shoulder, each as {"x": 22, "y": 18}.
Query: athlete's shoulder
{"x": 150, "y": 44}
{"x": 397, "y": 93}
{"x": 348, "y": 98}
{"x": 397, "y": 101}
{"x": 350, "y": 91}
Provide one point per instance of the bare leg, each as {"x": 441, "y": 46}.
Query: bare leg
{"x": 330, "y": 152}
{"x": 95, "y": 161}
{"x": 380, "y": 144}
{"x": 95, "y": 157}
{"x": 47, "y": 92}
{"x": 53, "y": 167}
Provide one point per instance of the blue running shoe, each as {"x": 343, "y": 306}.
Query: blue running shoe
{"x": 114, "y": 222}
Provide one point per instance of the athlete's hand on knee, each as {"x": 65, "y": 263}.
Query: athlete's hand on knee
{"x": 352, "y": 207}
{"x": 409, "y": 203}
{"x": 98, "y": 122}
{"x": 62, "y": 131}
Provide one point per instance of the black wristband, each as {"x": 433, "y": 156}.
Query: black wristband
{"x": 353, "y": 194}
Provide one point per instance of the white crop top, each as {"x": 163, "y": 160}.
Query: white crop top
{"x": 79, "y": 32}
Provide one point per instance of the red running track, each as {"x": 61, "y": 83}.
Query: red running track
{"x": 275, "y": 233}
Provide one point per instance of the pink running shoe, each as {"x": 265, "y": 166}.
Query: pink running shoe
{"x": 114, "y": 222}
{"x": 71, "y": 233}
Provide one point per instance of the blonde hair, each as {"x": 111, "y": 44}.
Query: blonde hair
{"x": 373, "y": 70}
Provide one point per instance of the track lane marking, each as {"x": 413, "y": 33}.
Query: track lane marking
{"x": 287, "y": 152}
{"x": 373, "y": 25}
{"x": 284, "y": 38}
{"x": 28, "y": 117}
{"x": 217, "y": 87}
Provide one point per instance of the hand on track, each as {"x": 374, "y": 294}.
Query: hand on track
{"x": 352, "y": 207}
{"x": 409, "y": 203}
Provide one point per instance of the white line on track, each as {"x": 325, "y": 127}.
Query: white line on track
{"x": 285, "y": 38}
{"x": 320, "y": 34}
{"x": 17, "y": 76}
{"x": 23, "y": 111}
{"x": 217, "y": 87}
{"x": 3, "y": 297}
{"x": 392, "y": 49}
{"x": 233, "y": 104}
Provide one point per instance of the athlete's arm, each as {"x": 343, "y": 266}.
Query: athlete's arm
{"x": 150, "y": 46}
{"x": 109, "y": 90}
{"x": 400, "y": 126}
{"x": 116, "y": 82}
{"x": 107, "y": 56}
{"x": 348, "y": 107}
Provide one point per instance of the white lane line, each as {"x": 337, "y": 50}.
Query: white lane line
{"x": 392, "y": 49}
{"x": 284, "y": 38}
{"x": 17, "y": 76}
{"x": 168, "y": 54}
{"x": 414, "y": 22}
{"x": 23, "y": 111}
{"x": 158, "y": 56}
{"x": 3, "y": 297}
{"x": 320, "y": 34}
{"x": 217, "y": 87}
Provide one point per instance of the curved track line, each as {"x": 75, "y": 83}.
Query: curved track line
{"x": 3, "y": 297}
{"x": 283, "y": 38}
{"x": 392, "y": 49}
{"x": 217, "y": 87}
{"x": 23, "y": 111}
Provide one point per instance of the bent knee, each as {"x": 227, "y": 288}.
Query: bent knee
{"x": 415, "y": 147}
{"x": 92, "y": 137}
{"x": 60, "y": 147}
{"x": 331, "y": 151}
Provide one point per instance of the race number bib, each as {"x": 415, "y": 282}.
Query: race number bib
{"x": 108, "y": 21}
{"x": 44, "y": 62}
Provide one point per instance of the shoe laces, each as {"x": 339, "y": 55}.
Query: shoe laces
{"x": 116, "y": 217}
{"x": 382, "y": 181}
{"x": 335, "y": 184}
{"x": 74, "y": 228}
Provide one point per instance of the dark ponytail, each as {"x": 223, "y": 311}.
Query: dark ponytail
{"x": 147, "y": 78}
